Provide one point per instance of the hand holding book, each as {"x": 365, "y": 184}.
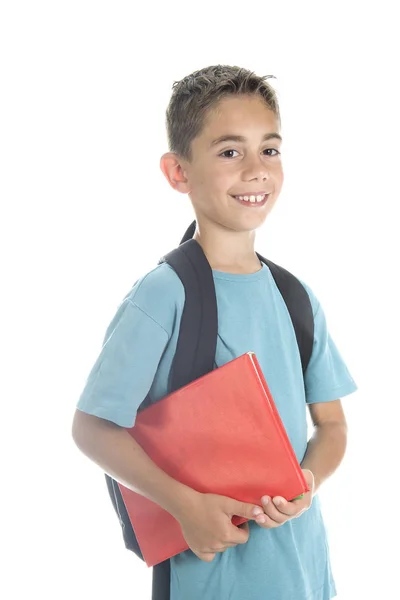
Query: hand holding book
{"x": 278, "y": 510}
{"x": 207, "y": 527}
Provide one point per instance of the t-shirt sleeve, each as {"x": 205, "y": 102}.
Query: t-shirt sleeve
{"x": 327, "y": 377}
{"x": 124, "y": 371}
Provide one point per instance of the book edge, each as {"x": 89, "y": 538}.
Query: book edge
{"x": 278, "y": 421}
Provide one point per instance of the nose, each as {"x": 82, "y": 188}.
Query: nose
{"x": 255, "y": 169}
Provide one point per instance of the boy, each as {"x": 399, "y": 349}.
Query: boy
{"x": 223, "y": 127}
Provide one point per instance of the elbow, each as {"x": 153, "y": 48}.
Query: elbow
{"x": 84, "y": 430}
{"x": 77, "y": 430}
{"x": 90, "y": 432}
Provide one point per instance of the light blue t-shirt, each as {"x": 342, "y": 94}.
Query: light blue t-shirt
{"x": 287, "y": 563}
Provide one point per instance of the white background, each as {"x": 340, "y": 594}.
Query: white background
{"x": 86, "y": 211}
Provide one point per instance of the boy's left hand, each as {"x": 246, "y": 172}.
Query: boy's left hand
{"x": 278, "y": 510}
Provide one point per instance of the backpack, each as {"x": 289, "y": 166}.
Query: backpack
{"x": 195, "y": 353}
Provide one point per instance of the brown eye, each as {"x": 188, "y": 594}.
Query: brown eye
{"x": 228, "y": 153}
{"x": 271, "y": 150}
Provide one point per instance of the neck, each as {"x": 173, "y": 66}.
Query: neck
{"x": 227, "y": 250}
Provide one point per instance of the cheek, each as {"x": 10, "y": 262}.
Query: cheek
{"x": 223, "y": 180}
{"x": 278, "y": 177}
{"x": 213, "y": 181}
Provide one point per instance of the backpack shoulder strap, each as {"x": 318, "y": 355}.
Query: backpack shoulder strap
{"x": 194, "y": 357}
{"x": 197, "y": 341}
{"x": 296, "y": 299}
{"x": 299, "y": 306}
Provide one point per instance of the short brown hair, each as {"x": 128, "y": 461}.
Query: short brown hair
{"x": 194, "y": 95}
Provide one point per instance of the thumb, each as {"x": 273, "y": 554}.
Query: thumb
{"x": 244, "y": 509}
{"x": 309, "y": 477}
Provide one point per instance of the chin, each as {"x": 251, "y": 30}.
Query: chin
{"x": 252, "y": 223}
{"x": 249, "y": 226}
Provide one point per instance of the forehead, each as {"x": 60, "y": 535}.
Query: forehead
{"x": 239, "y": 115}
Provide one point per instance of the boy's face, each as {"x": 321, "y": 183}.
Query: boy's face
{"x": 235, "y": 181}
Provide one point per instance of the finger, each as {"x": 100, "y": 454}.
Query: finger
{"x": 310, "y": 479}
{"x": 290, "y": 509}
{"x": 243, "y": 509}
{"x": 302, "y": 505}
{"x": 239, "y": 535}
{"x": 205, "y": 556}
{"x": 272, "y": 511}
{"x": 225, "y": 547}
{"x": 266, "y": 522}
{"x": 245, "y": 527}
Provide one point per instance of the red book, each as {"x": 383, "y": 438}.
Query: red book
{"x": 220, "y": 434}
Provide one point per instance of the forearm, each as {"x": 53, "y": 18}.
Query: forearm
{"x": 325, "y": 451}
{"x": 120, "y": 456}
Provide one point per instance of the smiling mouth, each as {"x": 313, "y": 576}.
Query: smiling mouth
{"x": 255, "y": 200}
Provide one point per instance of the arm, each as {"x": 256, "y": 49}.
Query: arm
{"x": 325, "y": 451}
{"x": 205, "y": 519}
{"x": 327, "y": 446}
{"x": 325, "y": 374}
{"x": 118, "y": 454}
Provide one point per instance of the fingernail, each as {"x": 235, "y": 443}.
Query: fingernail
{"x": 257, "y": 511}
{"x": 265, "y": 499}
{"x": 278, "y": 501}
{"x": 261, "y": 519}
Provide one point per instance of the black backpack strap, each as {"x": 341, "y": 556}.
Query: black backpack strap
{"x": 194, "y": 357}
{"x": 296, "y": 299}
{"x": 299, "y": 306}
{"x": 197, "y": 342}
{"x": 128, "y": 534}
{"x": 161, "y": 582}
{"x": 189, "y": 233}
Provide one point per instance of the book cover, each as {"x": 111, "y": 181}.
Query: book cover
{"x": 220, "y": 434}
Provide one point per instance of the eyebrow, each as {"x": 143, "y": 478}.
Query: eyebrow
{"x": 241, "y": 138}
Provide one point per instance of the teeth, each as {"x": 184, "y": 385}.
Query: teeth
{"x": 252, "y": 199}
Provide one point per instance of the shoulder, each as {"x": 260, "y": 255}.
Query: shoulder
{"x": 285, "y": 273}
{"x": 161, "y": 283}
{"x": 315, "y": 305}
{"x": 159, "y": 294}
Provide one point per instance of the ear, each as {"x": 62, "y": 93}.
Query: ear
{"x": 174, "y": 172}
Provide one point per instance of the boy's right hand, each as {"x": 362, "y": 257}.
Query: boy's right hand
{"x": 207, "y": 524}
